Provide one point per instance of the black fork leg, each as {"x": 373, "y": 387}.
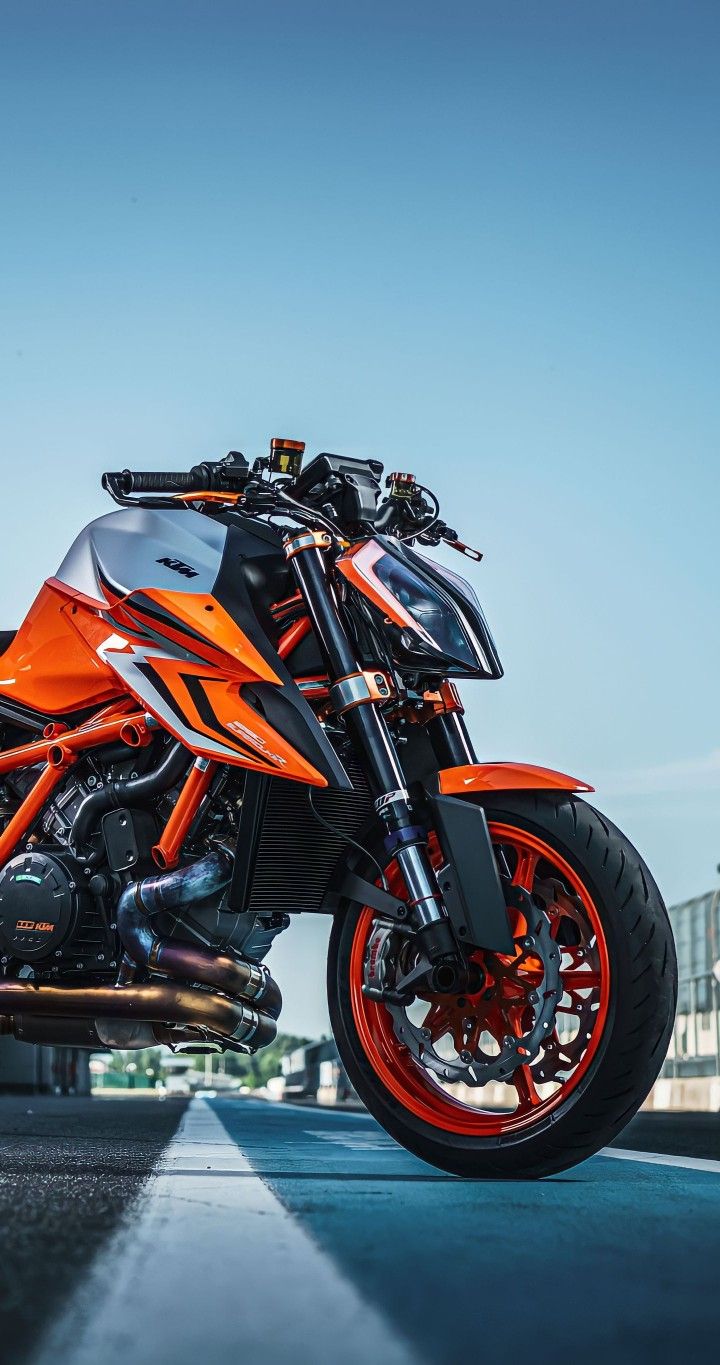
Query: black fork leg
{"x": 404, "y": 840}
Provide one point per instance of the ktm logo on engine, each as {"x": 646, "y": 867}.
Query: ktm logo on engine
{"x": 178, "y": 566}
{"x": 38, "y": 926}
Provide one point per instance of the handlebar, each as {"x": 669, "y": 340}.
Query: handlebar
{"x": 330, "y": 492}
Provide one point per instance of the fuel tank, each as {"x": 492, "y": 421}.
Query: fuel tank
{"x": 140, "y": 548}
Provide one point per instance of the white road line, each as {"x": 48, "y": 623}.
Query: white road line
{"x": 217, "y": 1269}
{"x": 690, "y": 1163}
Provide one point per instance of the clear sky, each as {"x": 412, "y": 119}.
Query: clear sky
{"x": 475, "y": 240}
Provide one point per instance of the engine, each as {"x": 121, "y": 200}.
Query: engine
{"x": 58, "y": 898}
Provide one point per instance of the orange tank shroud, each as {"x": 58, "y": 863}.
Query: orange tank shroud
{"x": 482, "y": 778}
{"x": 73, "y": 653}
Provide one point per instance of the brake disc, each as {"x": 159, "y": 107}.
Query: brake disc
{"x": 561, "y": 1054}
{"x": 518, "y": 1002}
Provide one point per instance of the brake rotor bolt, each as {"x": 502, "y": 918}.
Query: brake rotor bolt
{"x": 425, "y": 1033}
{"x": 466, "y": 1056}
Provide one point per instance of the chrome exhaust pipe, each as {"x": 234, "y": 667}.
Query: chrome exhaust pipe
{"x": 154, "y": 1003}
{"x": 168, "y": 891}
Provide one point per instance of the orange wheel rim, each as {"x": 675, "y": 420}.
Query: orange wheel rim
{"x": 585, "y": 977}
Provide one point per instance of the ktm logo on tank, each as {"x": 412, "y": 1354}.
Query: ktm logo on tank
{"x": 178, "y": 566}
{"x": 37, "y": 926}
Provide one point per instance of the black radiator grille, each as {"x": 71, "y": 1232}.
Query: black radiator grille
{"x": 297, "y": 854}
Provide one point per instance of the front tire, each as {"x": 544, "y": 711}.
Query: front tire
{"x": 577, "y": 1095}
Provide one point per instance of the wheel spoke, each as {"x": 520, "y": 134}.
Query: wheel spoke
{"x": 578, "y": 980}
{"x": 524, "y": 874}
{"x": 438, "y": 1020}
{"x": 528, "y": 1097}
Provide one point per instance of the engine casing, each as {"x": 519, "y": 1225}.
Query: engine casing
{"x": 47, "y": 917}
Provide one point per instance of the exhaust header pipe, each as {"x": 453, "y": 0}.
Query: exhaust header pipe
{"x": 168, "y": 891}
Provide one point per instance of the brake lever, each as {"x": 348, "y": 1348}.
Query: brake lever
{"x": 462, "y": 548}
{"x": 449, "y": 537}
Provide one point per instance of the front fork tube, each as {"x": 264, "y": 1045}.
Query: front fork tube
{"x": 451, "y": 743}
{"x": 404, "y": 840}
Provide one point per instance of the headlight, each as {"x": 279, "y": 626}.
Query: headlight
{"x": 434, "y": 632}
{"x": 433, "y": 623}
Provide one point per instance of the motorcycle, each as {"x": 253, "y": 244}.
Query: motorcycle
{"x": 237, "y": 701}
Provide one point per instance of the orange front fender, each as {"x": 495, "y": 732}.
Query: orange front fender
{"x": 495, "y": 777}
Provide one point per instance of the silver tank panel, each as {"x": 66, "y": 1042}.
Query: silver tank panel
{"x": 127, "y": 548}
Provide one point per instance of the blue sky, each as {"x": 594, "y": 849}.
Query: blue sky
{"x": 474, "y": 240}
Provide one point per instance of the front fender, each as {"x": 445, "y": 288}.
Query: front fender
{"x": 480, "y": 778}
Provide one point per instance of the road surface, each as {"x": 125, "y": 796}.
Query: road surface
{"x": 229, "y": 1229}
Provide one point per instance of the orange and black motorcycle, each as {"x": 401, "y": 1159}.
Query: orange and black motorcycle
{"x": 236, "y": 702}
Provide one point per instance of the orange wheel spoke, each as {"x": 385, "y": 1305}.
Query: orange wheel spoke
{"x": 528, "y": 1097}
{"x": 438, "y": 1020}
{"x": 527, "y": 862}
{"x": 578, "y": 980}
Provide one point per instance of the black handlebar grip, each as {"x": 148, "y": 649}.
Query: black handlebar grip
{"x": 135, "y": 481}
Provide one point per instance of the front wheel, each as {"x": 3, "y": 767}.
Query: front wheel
{"x": 552, "y": 1049}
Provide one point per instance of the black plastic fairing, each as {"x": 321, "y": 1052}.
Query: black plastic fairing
{"x": 252, "y": 574}
{"x": 470, "y": 883}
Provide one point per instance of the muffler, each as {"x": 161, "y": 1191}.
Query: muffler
{"x": 160, "y": 1003}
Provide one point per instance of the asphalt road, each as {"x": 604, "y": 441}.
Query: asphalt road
{"x": 70, "y": 1171}
{"x": 282, "y": 1233}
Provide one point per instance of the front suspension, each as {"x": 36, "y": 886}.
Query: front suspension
{"x": 358, "y": 695}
